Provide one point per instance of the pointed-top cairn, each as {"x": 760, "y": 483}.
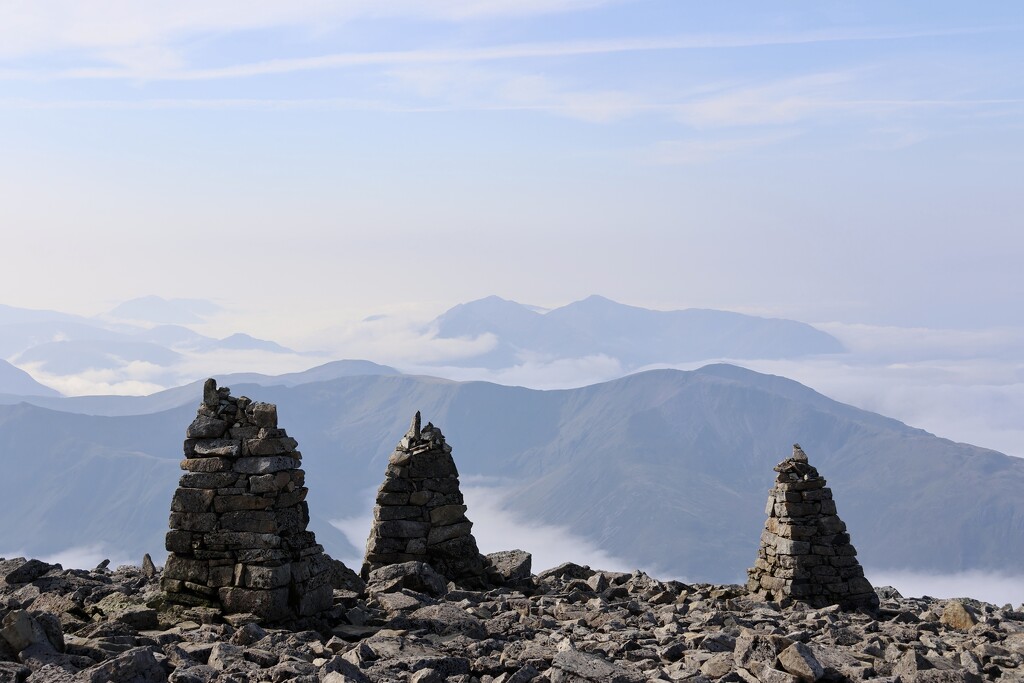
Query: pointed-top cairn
{"x": 805, "y": 551}
{"x": 238, "y": 537}
{"x": 420, "y": 514}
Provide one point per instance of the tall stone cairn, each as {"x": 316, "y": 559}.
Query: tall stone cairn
{"x": 805, "y": 551}
{"x": 238, "y": 537}
{"x": 420, "y": 514}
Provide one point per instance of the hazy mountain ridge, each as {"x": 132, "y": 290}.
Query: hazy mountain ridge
{"x": 684, "y": 456}
{"x": 144, "y": 344}
{"x": 114, "y": 405}
{"x": 17, "y": 382}
{"x": 634, "y": 336}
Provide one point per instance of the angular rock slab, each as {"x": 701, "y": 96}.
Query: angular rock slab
{"x": 420, "y": 515}
{"x": 805, "y": 552}
{"x": 238, "y": 537}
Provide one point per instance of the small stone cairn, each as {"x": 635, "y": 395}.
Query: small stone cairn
{"x": 420, "y": 514}
{"x": 805, "y": 552}
{"x": 238, "y": 537}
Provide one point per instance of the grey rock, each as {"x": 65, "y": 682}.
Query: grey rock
{"x": 204, "y": 427}
{"x": 210, "y": 397}
{"x": 148, "y": 568}
{"x": 753, "y": 649}
{"x": 138, "y": 665}
{"x": 567, "y": 570}
{"x": 200, "y": 673}
{"x": 27, "y": 571}
{"x": 225, "y": 656}
{"x": 12, "y": 672}
{"x": 798, "y": 660}
{"x": 344, "y": 670}
{"x": 21, "y": 630}
{"x": 718, "y": 665}
{"x": 571, "y": 666}
{"x": 417, "y": 576}
{"x": 512, "y": 565}
{"x": 263, "y": 414}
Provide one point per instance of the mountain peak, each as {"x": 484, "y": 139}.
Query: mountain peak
{"x": 156, "y": 309}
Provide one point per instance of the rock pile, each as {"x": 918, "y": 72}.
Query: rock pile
{"x": 238, "y": 537}
{"x": 420, "y": 515}
{"x": 805, "y": 551}
{"x": 572, "y": 624}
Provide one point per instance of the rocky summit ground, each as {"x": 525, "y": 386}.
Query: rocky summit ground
{"x": 570, "y": 623}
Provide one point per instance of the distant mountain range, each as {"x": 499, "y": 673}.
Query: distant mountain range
{"x": 146, "y": 342}
{"x": 50, "y": 343}
{"x": 634, "y": 336}
{"x": 667, "y": 469}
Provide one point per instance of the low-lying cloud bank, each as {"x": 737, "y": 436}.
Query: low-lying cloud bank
{"x": 562, "y": 373}
{"x": 996, "y": 588}
{"x": 140, "y": 378}
{"x": 496, "y": 528}
{"x": 82, "y": 557}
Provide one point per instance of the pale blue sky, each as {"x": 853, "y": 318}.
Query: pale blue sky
{"x": 850, "y": 161}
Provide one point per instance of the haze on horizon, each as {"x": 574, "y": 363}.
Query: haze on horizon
{"x": 308, "y": 163}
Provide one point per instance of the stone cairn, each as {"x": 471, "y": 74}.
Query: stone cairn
{"x": 420, "y": 514}
{"x": 238, "y": 537}
{"x": 805, "y": 551}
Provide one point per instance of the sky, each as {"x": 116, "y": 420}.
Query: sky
{"x": 309, "y": 163}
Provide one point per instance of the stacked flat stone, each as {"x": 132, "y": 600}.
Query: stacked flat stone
{"x": 805, "y": 551}
{"x": 238, "y": 537}
{"x": 420, "y": 514}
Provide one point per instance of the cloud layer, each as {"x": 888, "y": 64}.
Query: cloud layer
{"x": 998, "y": 589}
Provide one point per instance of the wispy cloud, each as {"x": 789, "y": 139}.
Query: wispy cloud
{"x": 114, "y": 28}
{"x": 793, "y": 100}
{"x": 158, "y": 62}
{"x": 783, "y": 101}
{"x": 472, "y": 87}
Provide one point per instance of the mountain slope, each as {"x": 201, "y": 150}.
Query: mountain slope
{"x": 667, "y": 469}
{"x": 16, "y": 381}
